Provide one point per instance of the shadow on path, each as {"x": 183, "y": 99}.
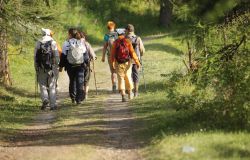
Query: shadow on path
{"x": 104, "y": 123}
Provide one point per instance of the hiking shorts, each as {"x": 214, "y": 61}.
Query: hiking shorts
{"x": 112, "y": 70}
{"x": 87, "y": 72}
{"x": 135, "y": 73}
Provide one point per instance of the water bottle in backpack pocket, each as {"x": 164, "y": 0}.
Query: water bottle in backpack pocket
{"x": 44, "y": 56}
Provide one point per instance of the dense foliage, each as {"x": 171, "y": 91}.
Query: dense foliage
{"x": 217, "y": 84}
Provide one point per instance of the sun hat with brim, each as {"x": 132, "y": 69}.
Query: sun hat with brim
{"x": 47, "y": 32}
{"x": 120, "y": 31}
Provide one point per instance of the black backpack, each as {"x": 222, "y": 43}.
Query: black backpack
{"x": 44, "y": 56}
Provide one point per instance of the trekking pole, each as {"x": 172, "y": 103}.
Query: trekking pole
{"x": 142, "y": 69}
{"x": 36, "y": 88}
{"x": 94, "y": 76}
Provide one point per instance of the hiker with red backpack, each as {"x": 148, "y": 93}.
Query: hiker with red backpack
{"x": 139, "y": 50}
{"x": 74, "y": 59}
{"x": 122, "y": 54}
{"x": 109, "y": 39}
{"x": 46, "y": 59}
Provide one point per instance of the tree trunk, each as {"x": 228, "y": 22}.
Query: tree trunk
{"x": 165, "y": 13}
{"x": 5, "y": 78}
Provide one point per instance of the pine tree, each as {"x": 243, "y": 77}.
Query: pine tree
{"x": 19, "y": 18}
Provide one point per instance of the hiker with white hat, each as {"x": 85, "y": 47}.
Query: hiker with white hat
{"x": 46, "y": 60}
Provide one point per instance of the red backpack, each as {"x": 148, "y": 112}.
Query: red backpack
{"x": 122, "y": 51}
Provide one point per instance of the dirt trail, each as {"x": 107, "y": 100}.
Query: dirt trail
{"x": 119, "y": 141}
{"x": 113, "y": 140}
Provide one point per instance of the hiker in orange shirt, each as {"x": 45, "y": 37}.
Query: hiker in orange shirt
{"x": 122, "y": 54}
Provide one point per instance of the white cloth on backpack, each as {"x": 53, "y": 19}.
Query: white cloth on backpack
{"x": 74, "y": 50}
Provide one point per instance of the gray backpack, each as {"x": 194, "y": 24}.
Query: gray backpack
{"x": 76, "y": 52}
{"x": 112, "y": 37}
{"x": 135, "y": 44}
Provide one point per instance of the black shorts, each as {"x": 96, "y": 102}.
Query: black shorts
{"x": 87, "y": 72}
{"x": 135, "y": 73}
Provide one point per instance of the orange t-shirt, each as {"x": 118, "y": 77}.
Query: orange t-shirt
{"x": 59, "y": 50}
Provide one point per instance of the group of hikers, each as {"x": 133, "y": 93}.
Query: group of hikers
{"x": 121, "y": 46}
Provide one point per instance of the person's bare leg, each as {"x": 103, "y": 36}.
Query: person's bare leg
{"x": 122, "y": 92}
{"x": 113, "y": 79}
{"x": 86, "y": 91}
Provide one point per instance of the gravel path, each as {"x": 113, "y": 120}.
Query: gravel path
{"x": 34, "y": 142}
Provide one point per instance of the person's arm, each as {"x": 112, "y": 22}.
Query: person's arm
{"x": 112, "y": 56}
{"x": 91, "y": 51}
{"x": 141, "y": 47}
{"x": 63, "y": 59}
{"x": 105, "y": 46}
{"x": 104, "y": 50}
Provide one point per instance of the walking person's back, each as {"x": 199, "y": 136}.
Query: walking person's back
{"x": 74, "y": 59}
{"x": 46, "y": 65}
{"x": 139, "y": 50}
{"x": 109, "y": 39}
{"x": 87, "y": 71}
{"x": 122, "y": 55}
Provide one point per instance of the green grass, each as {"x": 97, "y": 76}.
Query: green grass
{"x": 231, "y": 146}
{"x": 165, "y": 130}
{"x": 17, "y": 103}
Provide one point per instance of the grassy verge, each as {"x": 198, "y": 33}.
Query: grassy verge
{"x": 17, "y": 103}
{"x": 167, "y": 133}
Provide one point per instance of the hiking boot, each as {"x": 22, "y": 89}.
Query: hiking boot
{"x": 114, "y": 88}
{"x": 130, "y": 96}
{"x": 53, "y": 108}
{"x": 79, "y": 102}
{"x": 136, "y": 85}
{"x": 73, "y": 101}
{"x": 126, "y": 91}
{"x": 136, "y": 94}
{"x": 124, "y": 99}
{"x": 45, "y": 104}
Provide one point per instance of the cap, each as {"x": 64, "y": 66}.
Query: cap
{"x": 130, "y": 28}
{"x": 120, "y": 31}
{"x": 47, "y": 32}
